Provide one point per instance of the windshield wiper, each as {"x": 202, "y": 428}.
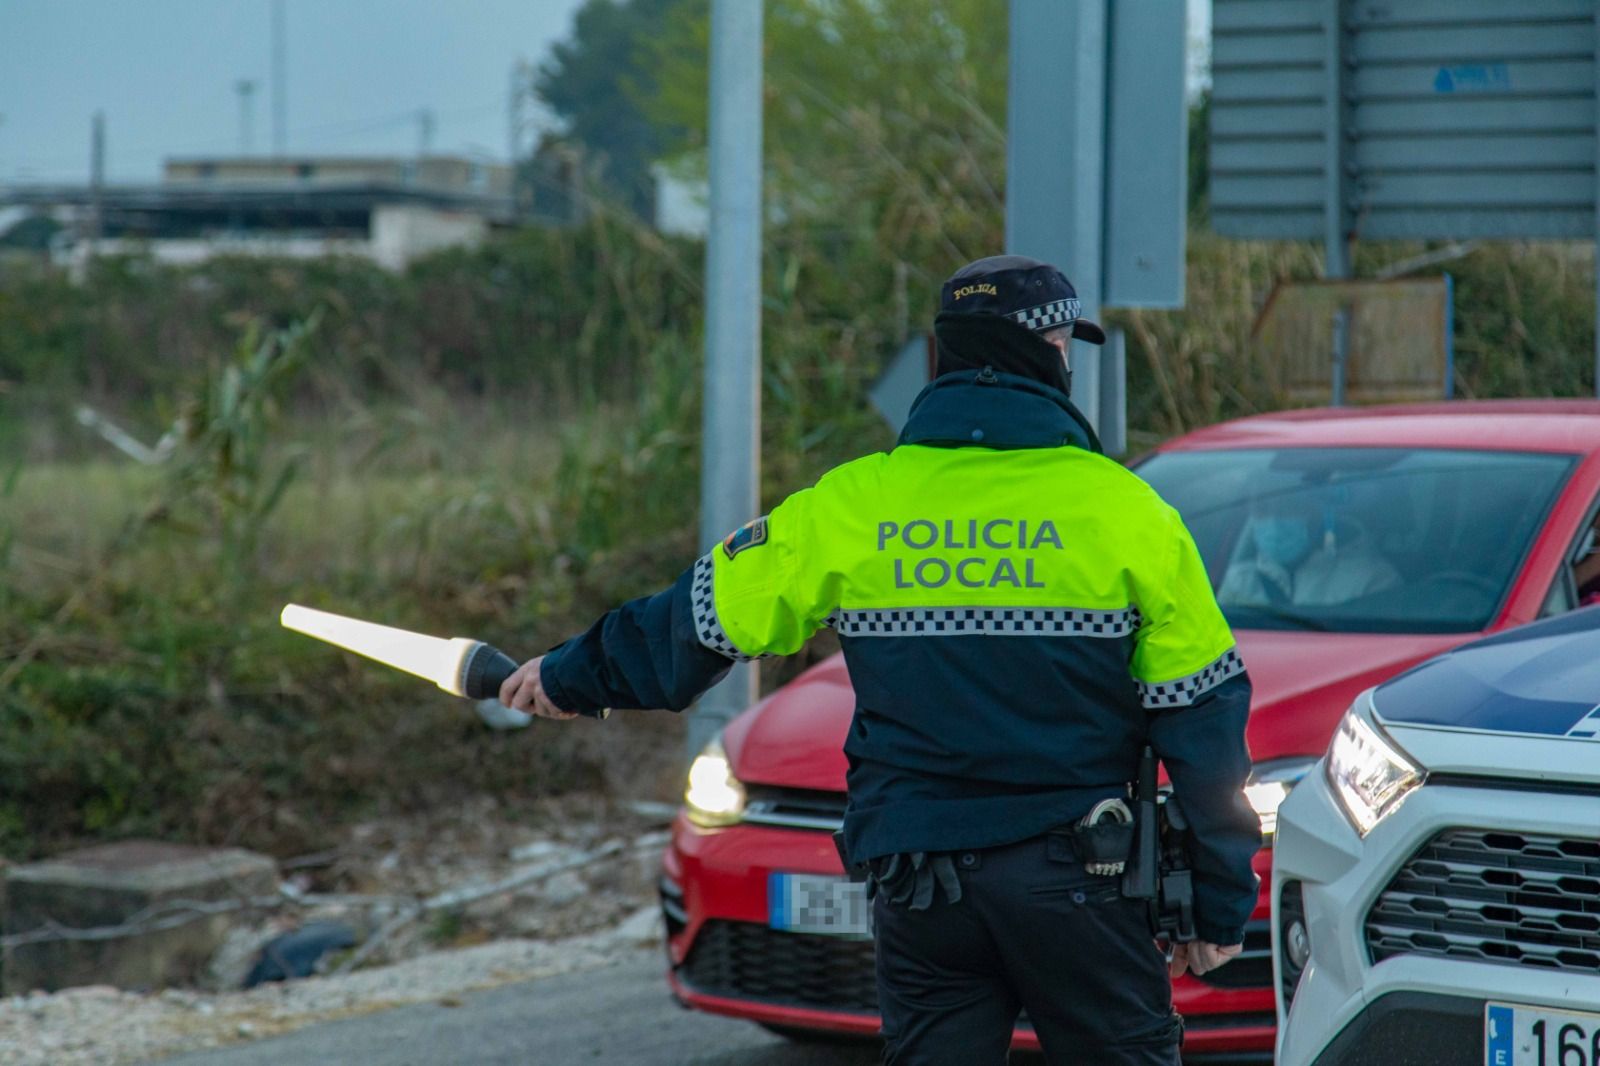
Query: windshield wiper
{"x": 1279, "y": 614}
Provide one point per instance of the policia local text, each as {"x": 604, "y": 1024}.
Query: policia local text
{"x": 973, "y": 572}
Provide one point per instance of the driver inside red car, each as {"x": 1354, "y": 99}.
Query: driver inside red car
{"x": 1297, "y": 551}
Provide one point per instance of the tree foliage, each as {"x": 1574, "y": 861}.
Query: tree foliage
{"x": 884, "y": 121}
{"x": 600, "y": 81}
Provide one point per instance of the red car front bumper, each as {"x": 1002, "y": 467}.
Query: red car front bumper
{"x": 725, "y": 959}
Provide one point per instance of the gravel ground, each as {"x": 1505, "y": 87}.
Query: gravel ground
{"x": 102, "y": 1025}
{"x": 599, "y": 907}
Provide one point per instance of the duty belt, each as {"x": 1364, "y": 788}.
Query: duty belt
{"x": 905, "y": 880}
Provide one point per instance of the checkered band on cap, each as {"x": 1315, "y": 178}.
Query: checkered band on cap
{"x": 1182, "y": 691}
{"x": 1052, "y": 315}
{"x": 985, "y": 621}
{"x": 706, "y": 624}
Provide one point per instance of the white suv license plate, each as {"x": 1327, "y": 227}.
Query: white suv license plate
{"x": 808, "y": 903}
{"x": 1518, "y": 1035}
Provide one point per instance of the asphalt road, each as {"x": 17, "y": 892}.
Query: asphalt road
{"x": 620, "y": 1014}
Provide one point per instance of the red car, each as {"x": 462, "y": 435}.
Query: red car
{"x": 1346, "y": 545}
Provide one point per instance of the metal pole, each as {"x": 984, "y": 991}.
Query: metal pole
{"x": 424, "y": 133}
{"x": 1341, "y": 353}
{"x": 731, "y": 437}
{"x": 280, "y": 79}
{"x": 1336, "y": 133}
{"x": 1113, "y": 427}
{"x": 1055, "y": 149}
{"x": 246, "y": 90}
{"x": 97, "y": 182}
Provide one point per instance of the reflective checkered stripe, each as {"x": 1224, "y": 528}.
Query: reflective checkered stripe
{"x": 1050, "y": 315}
{"x": 706, "y": 624}
{"x": 1183, "y": 691}
{"x": 985, "y": 621}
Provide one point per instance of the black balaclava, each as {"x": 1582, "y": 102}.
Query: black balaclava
{"x": 974, "y": 341}
{"x": 992, "y": 311}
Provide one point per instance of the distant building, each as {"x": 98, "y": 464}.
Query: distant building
{"x": 440, "y": 173}
{"x": 389, "y": 209}
{"x": 682, "y": 200}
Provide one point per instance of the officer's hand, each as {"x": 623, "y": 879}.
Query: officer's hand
{"x": 1200, "y": 957}
{"x": 523, "y": 691}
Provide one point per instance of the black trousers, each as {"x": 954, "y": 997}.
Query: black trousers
{"x": 1032, "y": 931}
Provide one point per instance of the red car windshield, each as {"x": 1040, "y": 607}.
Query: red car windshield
{"x": 1375, "y": 540}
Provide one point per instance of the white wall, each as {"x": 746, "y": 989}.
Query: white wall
{"x": 401, "y": 232}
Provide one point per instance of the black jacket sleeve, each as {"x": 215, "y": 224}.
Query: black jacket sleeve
{"x": 643, "y": 654}
{"x": 1203, "y": 748}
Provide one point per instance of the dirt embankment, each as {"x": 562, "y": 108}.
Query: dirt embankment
{"x": 520, "y": 901}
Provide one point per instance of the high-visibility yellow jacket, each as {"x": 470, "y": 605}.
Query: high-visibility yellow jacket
{"x": 1020, "y": 616}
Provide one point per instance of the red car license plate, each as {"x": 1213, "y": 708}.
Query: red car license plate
{"x": 811, "y": 903}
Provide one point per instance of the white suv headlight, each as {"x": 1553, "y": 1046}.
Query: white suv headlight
{"x": 1369, "y": 774}
{"x": 714, "y": 797}
{"x": 1269, "y": 786}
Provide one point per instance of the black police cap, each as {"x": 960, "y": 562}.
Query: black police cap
{"x": 1029, "y": 292}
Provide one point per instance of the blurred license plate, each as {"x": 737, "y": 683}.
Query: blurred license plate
{"x": 808, "y": 903}
{"x": 1516, "y": 1035}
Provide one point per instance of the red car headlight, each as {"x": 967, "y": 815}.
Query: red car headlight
{"x": 713, "y": 797}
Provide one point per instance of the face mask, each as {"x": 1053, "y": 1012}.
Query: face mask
{"x": 1284, "y": 541}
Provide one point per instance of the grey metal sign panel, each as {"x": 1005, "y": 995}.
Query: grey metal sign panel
{"x": 1560, "y": 77}
{"x": 1268, "y": 121}
{"x": 1463, "y": 12}
{"x": 907, "y": 374}
{"x": 1269, "y": 16}
{"x": 1404, "y": 118}
{"x": 1269, "y": 190}
{"x": 1497, "y": 41}
{"x": 1561, "y": 151}
{"x": 1301, "y": 224}
{"x": 1056, "y": 153}
{"x": 1427, "y": 223}
{"x": 1269, "y": 84}
{"x": 1273, "y": 118}
{"x": 1147, "y": 157}
{"x": 1555, "y": 189}
{"x": 1282, "y": 155}
{"x": 1494, "y": 117}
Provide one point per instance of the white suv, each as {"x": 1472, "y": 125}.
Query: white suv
{"x": 1436, "y": 882}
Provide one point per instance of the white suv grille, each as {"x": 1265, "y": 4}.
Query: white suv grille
{"x": 1521, "y": 899}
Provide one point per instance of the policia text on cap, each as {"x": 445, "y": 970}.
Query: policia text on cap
{"x": 1021, "y": 617}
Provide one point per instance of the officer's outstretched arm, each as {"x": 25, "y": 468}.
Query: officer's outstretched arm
{"x": 1192, "y": 681}
{"x": 749, "y": 597}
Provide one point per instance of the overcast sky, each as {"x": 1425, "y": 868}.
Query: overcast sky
{"x": 164, "y": 73}
{"x": 359, "y": 71}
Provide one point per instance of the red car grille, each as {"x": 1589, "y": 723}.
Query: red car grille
{"x": 743, "y": 960}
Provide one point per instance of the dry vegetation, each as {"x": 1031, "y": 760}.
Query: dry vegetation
{"x": 498, "y": 443}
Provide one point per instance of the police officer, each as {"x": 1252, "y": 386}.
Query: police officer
{"x": 1021, "y": 616}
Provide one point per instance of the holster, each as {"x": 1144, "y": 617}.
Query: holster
{"x": 1175, "y": 896}
{"x": 1175, "y": 906}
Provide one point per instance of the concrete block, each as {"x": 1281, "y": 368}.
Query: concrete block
{"x": 109, "y": 885}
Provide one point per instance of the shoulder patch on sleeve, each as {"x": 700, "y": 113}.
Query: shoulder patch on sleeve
{"x": 750, "y": 535}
